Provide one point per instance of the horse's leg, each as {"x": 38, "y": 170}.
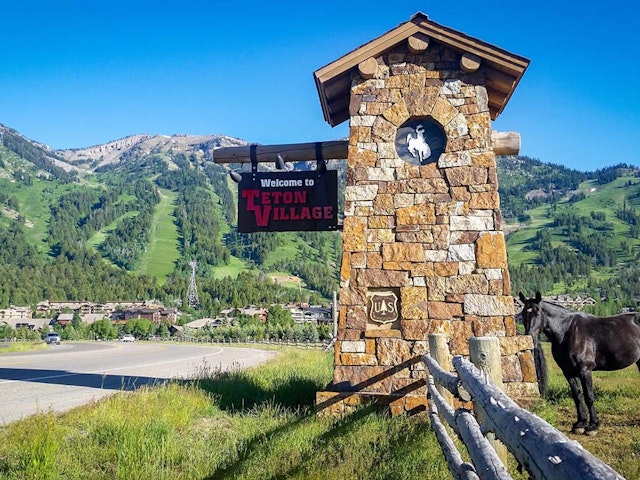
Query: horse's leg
{"x": 576, "y": 394}
{"x": 589, "y": 397}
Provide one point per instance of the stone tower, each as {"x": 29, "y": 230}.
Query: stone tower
{"x": 423, "y": 247}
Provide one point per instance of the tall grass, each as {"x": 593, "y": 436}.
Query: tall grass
{"x": 258, "y": 423}
{"x": 618, "y": 405}
{"x": 14, "y": 347}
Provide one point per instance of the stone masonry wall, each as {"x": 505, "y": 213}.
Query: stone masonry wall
{"x": 432, "y": 233}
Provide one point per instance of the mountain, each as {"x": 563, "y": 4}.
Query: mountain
{"x": 136, "y": 147}
{"x": 126, "y": 218}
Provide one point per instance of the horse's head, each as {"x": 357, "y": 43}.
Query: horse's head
{"x": 532, "y": 315}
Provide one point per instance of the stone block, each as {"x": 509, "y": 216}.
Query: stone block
{"x": 484, "y": 200}
{"x": 461, "y": 332}
{"x": 345, "y": 267}
{"x": 376, "y": 333}
{"x": 463, "y": 252}
{"x": 488, "y": 305}
{"x": 513, "y": 345}
{"x": 489, "y": 327}
{"x": 491, "y": 250}
{"x": 415, "y": 404}
{"x": 393, "y": 351}
{"x": 381, "y": 278}
{"x": 463, "y": 176}
{"x": 467, "y": 284}
{"x": 381, "y": 221}
{"x": 445, "y": 269}
{"x": 358, "y": 260}
{"x": 358, "y": 157}
{"x": 383, "y": 130}
{"x": 472, "y": 222}
{"x": 329, "y": 404}
{"x": 363, "y": 378}
{"x": 420, "y": 329}
{"x": 511, "y": 371}
{"x": 436, "y": 288}
{"x": 353, "y": 296}
{"x": 521, "y": 390}
{"x": 374, "y": 260}
{"x": 383, "y": 205}
{"x": 413, "y": 303}
{"x": 527, "y": 366}
{"x": 443, "y": 112}
{"x": 409, "y": 386}
{"x": 444, "y": 310}
{"x": 353, "y": 234}
{"x": 361, "y": 192}
{"x": 410, "y": 252}
{"x": 397, "y": 114}
{"x": 358, "y": 359}
{"x": 353, "y": 347}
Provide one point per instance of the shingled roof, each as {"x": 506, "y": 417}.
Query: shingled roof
{"x": 502, "y": 69}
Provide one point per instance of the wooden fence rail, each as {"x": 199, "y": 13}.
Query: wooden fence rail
{"x": 543, "y": 451}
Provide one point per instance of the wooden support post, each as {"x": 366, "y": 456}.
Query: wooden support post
{"x": 484, "y": 353}
{"x": 439, "y": 351}
{"x": 334, "y": 314}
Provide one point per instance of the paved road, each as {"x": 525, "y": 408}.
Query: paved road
{"x": 72, "y": 374}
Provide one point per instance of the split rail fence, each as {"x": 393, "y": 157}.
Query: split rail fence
{"x": 543, "y": 451}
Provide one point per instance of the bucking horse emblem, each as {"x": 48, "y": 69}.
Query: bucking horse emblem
{"x": 418, "y": 146}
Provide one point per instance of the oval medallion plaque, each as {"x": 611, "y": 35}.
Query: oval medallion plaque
{"x": 420, "y": 141}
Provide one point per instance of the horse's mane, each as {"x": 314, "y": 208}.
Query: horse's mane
{"x": 557, "y": 306}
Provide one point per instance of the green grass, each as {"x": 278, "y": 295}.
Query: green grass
{"x": 232, "y": 269}
{"x": 162, "y": 253}
{"x": 100, "y": 236}
{"x": 23, "y": 347}
{"x": 260, "y": 423}
{"x": 34, "y": 203}
{"x": 617, "y": 403}
{"x": 250, "y": 424}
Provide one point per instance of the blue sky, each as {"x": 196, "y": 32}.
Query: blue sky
{"x": 80, "y": 73}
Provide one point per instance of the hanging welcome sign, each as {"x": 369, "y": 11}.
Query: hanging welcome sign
{"x": 288, "y": 201}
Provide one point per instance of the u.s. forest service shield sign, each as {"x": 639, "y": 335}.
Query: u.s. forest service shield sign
{"x": 383, "y": 307}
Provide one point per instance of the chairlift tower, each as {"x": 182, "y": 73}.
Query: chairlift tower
{"x": 192, "y": 293}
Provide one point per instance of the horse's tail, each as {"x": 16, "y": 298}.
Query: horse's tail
{"x": 541, "y": 368}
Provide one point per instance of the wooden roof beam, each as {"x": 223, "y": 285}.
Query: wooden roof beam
{"x": 504, "y": 143}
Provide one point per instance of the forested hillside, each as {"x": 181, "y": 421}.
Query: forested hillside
{"x": 87, "y": 234}
{"x": 573, "y": 231}
{"x": 123, "y": 221}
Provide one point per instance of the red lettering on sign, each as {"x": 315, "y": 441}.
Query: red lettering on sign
{"x": 281, "y": 206}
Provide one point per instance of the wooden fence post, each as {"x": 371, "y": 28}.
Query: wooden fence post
{"x": 439, "y": 351}
{"x": 484, "y": 353}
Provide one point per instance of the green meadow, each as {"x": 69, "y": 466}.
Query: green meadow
{"x": 162, "y": 251}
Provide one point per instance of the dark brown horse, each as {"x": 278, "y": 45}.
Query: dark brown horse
{"x": 581, "y": 343}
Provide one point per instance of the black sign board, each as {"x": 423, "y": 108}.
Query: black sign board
{"x": 288, "y": 201}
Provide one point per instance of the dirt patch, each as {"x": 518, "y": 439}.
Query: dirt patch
{"x": 8, "y": 212}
